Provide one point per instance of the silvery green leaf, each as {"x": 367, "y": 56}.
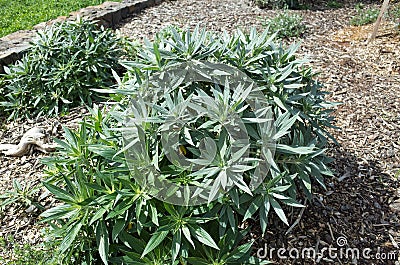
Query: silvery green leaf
{"x": 154, "y": 241}
{"x": 239, "y": 154}
{"x": 301, "y": 150}
{"x": 240, "y": 168}
{"x": 208, "y": 172}
{"x": 278, "y": 210}
{"x": 201, "y": 235}
{"x": 215, "y": 189}
{"x": 278, "y": 196}
{"x": 102, "y": 239}
{"x": 253, "y": 207}
{"x": 186, "y": 233}
{"x": 240, "y": 183}
{"x": 279, "y": 102}
{"x": 176, "y": 244}
{"x": 71, "y": 234}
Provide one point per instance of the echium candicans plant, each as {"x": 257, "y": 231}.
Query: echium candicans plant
{"x": 59, "y": 69}
{"x": 99, "y": 174}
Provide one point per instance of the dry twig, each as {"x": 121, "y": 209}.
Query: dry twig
{"x": 384, "y": 7}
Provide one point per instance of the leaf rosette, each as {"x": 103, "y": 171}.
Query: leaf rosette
{"x": 195, "y": 130}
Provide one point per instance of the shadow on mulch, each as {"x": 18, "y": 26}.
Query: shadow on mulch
{"x": 352, "y": 219}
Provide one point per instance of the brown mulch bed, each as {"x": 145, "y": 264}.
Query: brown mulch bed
{"x": 365, "y": 78}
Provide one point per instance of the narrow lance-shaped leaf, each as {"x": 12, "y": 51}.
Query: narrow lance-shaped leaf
{"x": 154, "y": 241}
{"x": 201, "y": 235}
{"x": 70, "y": 236}
{"x": 102, "y": 241}
{"x": 176, "y": 244}
{"x": 278, "y": 210}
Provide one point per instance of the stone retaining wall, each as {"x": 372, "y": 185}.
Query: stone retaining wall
{"x": 108, "y": 14}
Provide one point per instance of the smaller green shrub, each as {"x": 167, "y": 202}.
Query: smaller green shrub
{"x": 278, "y": 4}
{"x": 2, "y": 98}
{"x": 286, "y": 25}
{"x": 24, "y": 195}
{"x": 27, "y": 254}
{"x": 64, "y": 63}
{"x": 334, "y": 4}
{"x": 364, "y": 16}
{"x": 394, "y": 12}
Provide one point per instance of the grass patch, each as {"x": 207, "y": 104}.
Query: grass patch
{"x": 364, "y": 16}
{"x": 24, "y": 14}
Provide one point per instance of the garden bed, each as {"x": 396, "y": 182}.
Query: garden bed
{"x": 365, "y": 78}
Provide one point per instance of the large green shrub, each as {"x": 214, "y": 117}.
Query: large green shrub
{"x": 286, "y": 25}
{"x": 105, "y": 215}
{"x": 64, "y": 62}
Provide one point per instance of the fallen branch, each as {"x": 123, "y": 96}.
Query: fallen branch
{"x": 384, "y": 7}
{"x": 297, "y": 221}
{"x": 33, "y": 138}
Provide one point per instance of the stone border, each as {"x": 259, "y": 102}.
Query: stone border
{"x": 108, "y": 14}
